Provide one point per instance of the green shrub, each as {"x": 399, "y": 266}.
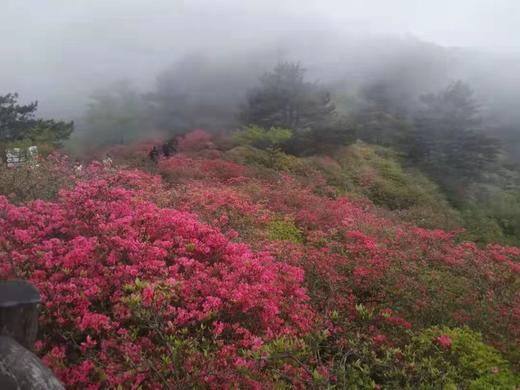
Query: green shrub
{"x": 284, "y": 230}
{"x": 261, "y": 138}
{"x": 44, "y": 147}
{"x": 271, "y": 159}
{"x": 481, "y": 227}
{"x": 493, "y": 215}
{"x": 468, "y": 362}
{"x": 29, "y": 182}
{"x": 458, "y": 360}
{"x": 379, "y": 174}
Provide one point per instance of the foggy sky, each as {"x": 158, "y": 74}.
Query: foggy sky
{"x": 57, "y": 51}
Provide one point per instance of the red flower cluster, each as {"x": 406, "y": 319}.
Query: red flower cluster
{"x": 443, "y": 341}
{"x": 195, "y": 140}
{"x": 123, "y": 281}
{"x": 219, "y": 275}
{"x": 182, "y": 167}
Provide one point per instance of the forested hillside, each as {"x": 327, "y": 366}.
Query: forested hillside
{"x": 447, "y": 136}
{"x": 260, "y": 259}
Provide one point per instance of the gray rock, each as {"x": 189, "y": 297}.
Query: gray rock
{"x": 20, "y": 369}
{"x": 19, "y": 302}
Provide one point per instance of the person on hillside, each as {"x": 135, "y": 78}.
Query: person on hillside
{"x": 169, "y": 148}
{"x": 78, "y": 166}
{"x": 154, "y": 155}
{"x": 107, "y": 161}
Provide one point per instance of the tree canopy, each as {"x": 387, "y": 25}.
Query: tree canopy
{"x": 284, "y": 99}
{"x": 18, "y": 122}
{"x": 448, "y": 138}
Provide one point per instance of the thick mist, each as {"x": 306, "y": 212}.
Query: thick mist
{"x": 71, "y": 54}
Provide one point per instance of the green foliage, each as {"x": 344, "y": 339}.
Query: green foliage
{"x": 424, "y": 363}
{"x": 115, "y": 115}
{"x": 361, "y": 170}
{"x": 46, "y": 135}
{"x": 447, "y": 140}
{"x": 284, "y": 99}
{"x": 381, "y": 118}
{"x": 382, "y": 128}
{"x": 18, "y": 126}
{"x": 30, "y": 182}
{"x": 383, "y": 179}
{"x": 324, "y": 138}
{"x": 493, "y": 215}
{"x": 16, "y": 120}
{"x": 481, "y": 227}
{"x": 272, "y": 159}
{"x": 262, "y": 147}
{"x": 287, "y": 351}
{"x": 285, "y": 230}
{"x": 258, "y": 137}
{"x": 469, "y": 362}
{"x": 379, "y": 174}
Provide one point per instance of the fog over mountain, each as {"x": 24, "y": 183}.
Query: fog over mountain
{"x": 60, "y": 52}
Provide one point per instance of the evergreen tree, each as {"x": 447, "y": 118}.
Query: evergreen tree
{"x": 116, "y": 115}
{"x": 448, "y": 139}
{"x": 381, "y": 119}
{"x": 284, "y": 99}
{"x": 16, "y": 120}
{"x": 18, "y": 123}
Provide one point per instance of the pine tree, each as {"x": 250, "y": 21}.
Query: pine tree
{"x": 18, "y": 123}
{"x": 284, "y": 99}
{"x": 448, "y": 139}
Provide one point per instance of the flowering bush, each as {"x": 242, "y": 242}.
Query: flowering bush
{"x": 138, "y": 295}
{"x": 406, "y": 277}
{"x": 181, "y": 167}
{"x": 136, "y": 154}
{"x": 218, "y": 276}
{"x": 195, "y": 140}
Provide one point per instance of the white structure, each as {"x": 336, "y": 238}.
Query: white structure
{"x": 17, "y": 157}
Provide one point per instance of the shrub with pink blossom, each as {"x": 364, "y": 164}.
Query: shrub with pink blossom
{"x": 137, "y": 295}
{"x": 217, "y": 276}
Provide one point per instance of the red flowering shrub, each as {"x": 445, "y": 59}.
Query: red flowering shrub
{"x": 220, "y": 276}
{"x": 181, "y": 167}
{"x": 138, "y": 295}
{"x": 132, "y": 154}
{"x": 178, "y": 168}
{"x": 406, "y": 277}
{"x": 443, "y": 340}
{"x": 221, "y": 169}
{"x": 195, "y": 140}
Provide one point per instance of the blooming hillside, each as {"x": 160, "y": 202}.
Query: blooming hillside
{"x": 211, "y": 271}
